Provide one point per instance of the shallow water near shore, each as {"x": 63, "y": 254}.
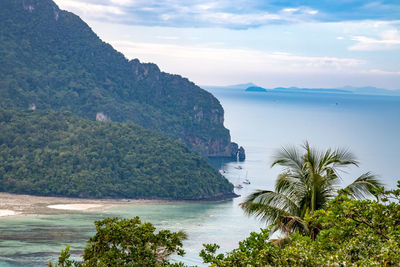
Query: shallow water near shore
{"x": 34, "y": 240}
{"x": 369, "y": 126}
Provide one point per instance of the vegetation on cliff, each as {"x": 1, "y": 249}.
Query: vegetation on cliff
{"x": 51, "y": 59}
{"x": 61, "y": 154}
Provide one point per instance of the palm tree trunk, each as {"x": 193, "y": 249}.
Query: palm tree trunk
{"x": 314, "y": 193}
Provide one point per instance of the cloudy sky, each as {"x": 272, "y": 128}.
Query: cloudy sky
{"x": 305, "y": 43}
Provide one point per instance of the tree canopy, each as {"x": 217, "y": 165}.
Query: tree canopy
{"x": 347, "y": 233}
{"x": 127, "y": 242}
{"x": 61, "y": 154}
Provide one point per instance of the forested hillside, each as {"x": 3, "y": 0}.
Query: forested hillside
{"x": 51, "y": 59}
{"x": 61, "y": 154}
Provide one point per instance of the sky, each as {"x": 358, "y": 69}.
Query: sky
{"x": 303, "y": 43}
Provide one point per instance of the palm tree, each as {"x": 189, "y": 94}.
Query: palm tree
{"x": 308, "y": 181}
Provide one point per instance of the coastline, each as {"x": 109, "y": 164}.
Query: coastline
{"x": 22, "y": 205}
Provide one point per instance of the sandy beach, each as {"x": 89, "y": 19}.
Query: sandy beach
{"x": 17, "y": 205}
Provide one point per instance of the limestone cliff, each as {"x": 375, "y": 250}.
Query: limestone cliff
{"x": 51, "y": 59}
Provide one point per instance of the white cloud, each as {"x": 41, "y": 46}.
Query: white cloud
{"x": 221, "y": 13}
{"x": 290, "y": 10}
{"x": 303, "y": 10}
{"x": 230, "y": 58}
{"x": 90, "y": 10}
{"x": 312, "y": 12}
{"x": 166, "y": 17}
{"x": 206, "y": 6}
{"x": 340, "y": 38}
{"x": 381, "y": 72}
{"x": 122, "y": 2}
{"x": 167, "y": 37}
{"x": 389, "y": 40}
{"x": 220, "y": 66}
{"x": 223, "y": 18}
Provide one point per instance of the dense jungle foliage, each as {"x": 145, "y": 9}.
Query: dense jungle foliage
{"x": 51, "y": 59}
{"x": 61, "y": 154}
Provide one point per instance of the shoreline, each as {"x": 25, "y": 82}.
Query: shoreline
{"x": 12, "y": 205}
{"x": 23, "y": 205}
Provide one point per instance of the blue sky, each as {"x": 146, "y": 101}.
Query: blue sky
{"x": 329, "y": 43}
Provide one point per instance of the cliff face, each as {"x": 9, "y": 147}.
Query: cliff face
{"x": 51, "y": 59}
{"x": 204, "y": 129}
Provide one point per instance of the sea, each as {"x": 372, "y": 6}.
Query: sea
{"x": 261, "y": 122}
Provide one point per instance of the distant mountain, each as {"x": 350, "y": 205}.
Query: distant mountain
{"x": 51, "y": 59}
{"x": 368, "y": 90}
{"x": 310, "y": 90}
{"x": 255, "y": 89}
{"x": 251, "y": 87}
{"x": 241, "y": 86}
{"x": 60, "y": 154}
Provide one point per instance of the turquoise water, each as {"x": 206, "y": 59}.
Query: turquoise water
{"x": 262, "y": 122}
{"x": 34, "y": 240}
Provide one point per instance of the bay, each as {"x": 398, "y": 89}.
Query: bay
{"x": 369, "y": 126}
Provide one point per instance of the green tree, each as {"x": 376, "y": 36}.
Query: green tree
{"x": 348, "y": 233}
{"x": 76, "y": 157}
{"x": 127, "y": 242}
{"x": 307, "y": 183}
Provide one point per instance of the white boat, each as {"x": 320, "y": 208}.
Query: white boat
{"x": 246, "y": 181}
{"x": 238, "y": 185}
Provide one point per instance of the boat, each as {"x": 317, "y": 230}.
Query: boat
{"x": 246, "y": 181}
{"x": 238, "y": 185}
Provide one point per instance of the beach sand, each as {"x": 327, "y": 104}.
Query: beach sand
{"x": 17, "y": 205}
{"x": 75, "y": 206}
{"x": 8, "y": 213}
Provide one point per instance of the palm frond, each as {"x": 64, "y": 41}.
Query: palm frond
{"x": 343, "y": 157}
{"x": 311, "y": 157}
{"x": 308, "y": 181}
{"x": 363, "y": 186}
{"x": 324, "y": 160}
{"x": 291, "y": 185}
{"x": 288, "y": 157}
{"x": 289, "y": 224}
{"x": 273, "y": 199}
{"x": 264, "y": 212}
